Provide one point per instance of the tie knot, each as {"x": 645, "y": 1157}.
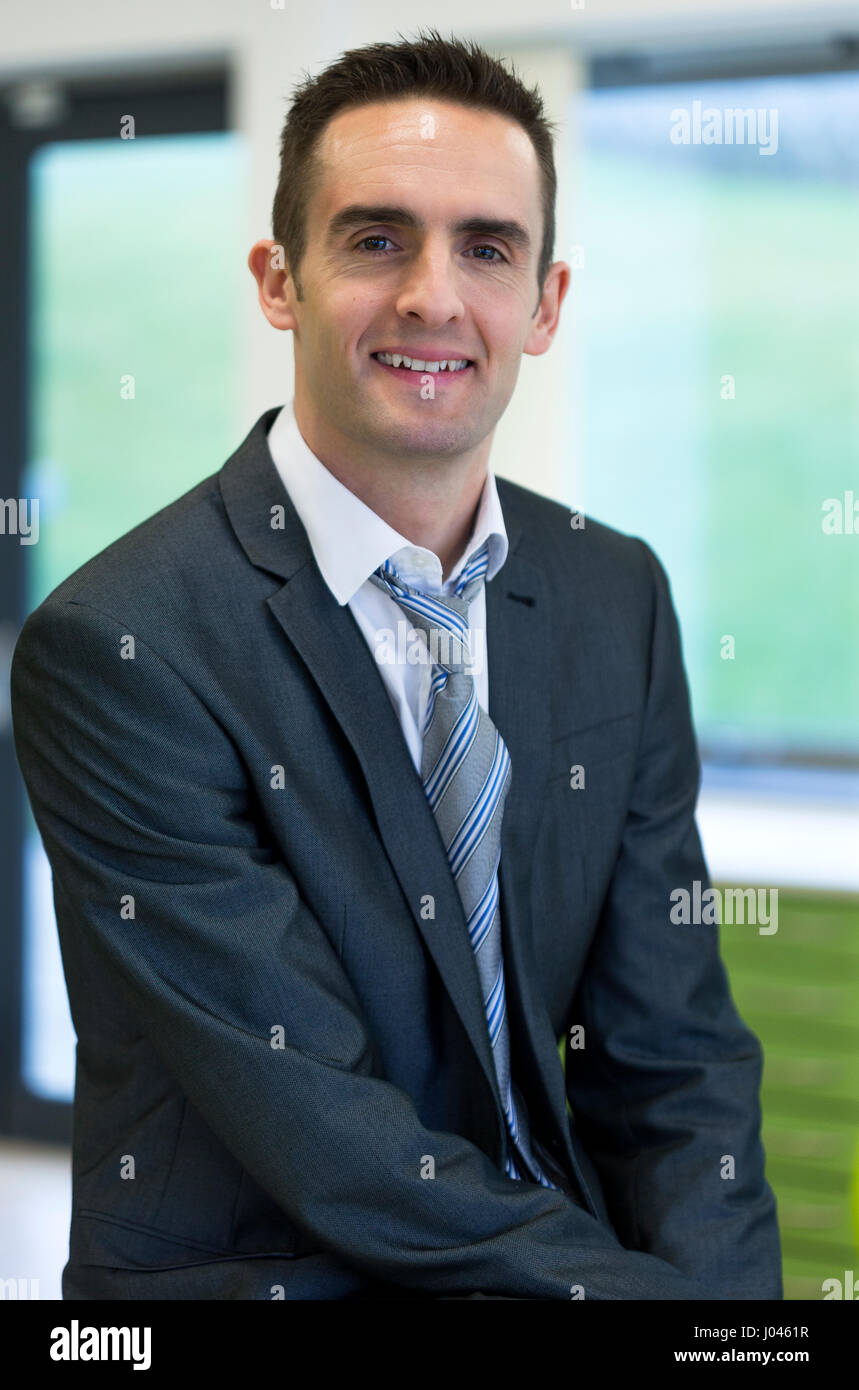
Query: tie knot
{"x": 443, "y": 618}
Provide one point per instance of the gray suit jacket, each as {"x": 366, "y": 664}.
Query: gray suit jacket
{"x": 284, "y": 1083}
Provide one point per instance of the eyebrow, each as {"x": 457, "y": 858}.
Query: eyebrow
{"x": 362, "y": 214}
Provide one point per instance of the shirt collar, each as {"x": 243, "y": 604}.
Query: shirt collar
{"x": 349, "y": 540}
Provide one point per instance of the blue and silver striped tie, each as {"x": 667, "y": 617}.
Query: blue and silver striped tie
{"x": 466, "y": 771}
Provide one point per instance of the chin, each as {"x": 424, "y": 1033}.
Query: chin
{"x": 438, "y": 438}
{"x": 423, "y": 432}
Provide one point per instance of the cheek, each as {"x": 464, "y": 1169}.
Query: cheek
{"x": 352, "y": 326}
{"x": 500, "y": 318}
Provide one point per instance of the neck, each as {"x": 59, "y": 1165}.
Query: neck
{"x": 432, "y": 501}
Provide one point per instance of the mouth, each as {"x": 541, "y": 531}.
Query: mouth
{"x": 404, "y": 366}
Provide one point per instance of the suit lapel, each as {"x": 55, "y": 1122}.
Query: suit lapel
{"x": 331, "y": 645}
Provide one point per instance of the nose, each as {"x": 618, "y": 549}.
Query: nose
{"x": 429, "y": 291}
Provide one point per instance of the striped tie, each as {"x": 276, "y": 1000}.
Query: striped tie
{"x": 466, "y": 771}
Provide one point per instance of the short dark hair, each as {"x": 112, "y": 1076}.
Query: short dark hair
{"x": 426, "y": 66}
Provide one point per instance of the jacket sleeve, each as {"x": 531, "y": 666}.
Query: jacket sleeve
{"x": 140, "y": 794}
{"x": 666, "y": 1088}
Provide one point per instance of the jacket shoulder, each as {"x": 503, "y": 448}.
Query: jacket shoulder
{"x": 554, "y": 534}
{"x": 159, "y": 568}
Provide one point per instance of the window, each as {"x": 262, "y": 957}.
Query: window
{"x": 720, "y": 322}
{"x": 129, "y": 261}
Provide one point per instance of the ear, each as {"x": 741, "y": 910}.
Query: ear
{"x": 548, "y": 311}
{"x": 267, "y": 264}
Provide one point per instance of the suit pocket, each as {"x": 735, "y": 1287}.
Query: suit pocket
{"x": 592, "y": 747}
{"x": 105, "y": 1241}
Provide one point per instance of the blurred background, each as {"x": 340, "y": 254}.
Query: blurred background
{"x": 703, "y": 392}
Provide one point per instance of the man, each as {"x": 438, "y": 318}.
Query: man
{"x": 365, "y": 778}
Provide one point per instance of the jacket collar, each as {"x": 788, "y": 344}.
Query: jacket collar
{"x": 348, "y": 539}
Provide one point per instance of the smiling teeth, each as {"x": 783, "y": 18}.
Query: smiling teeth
{"x": 414, "y": 364}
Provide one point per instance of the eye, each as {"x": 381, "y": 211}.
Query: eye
{"x": 367, "y": 250}
{"x": 488, "y": 248}
{"x": 361, "y": 247}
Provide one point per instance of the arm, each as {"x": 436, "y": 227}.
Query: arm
{"x": 137, "y": 789}
{"x": 668, "y": 1081}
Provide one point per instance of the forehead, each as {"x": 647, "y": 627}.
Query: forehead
{"x": 443, "y": 157}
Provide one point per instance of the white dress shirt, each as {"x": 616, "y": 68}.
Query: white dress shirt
{"x": 349, "y": 541}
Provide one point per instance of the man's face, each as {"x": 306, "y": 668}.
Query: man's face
{"x": 406, "y": 276}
